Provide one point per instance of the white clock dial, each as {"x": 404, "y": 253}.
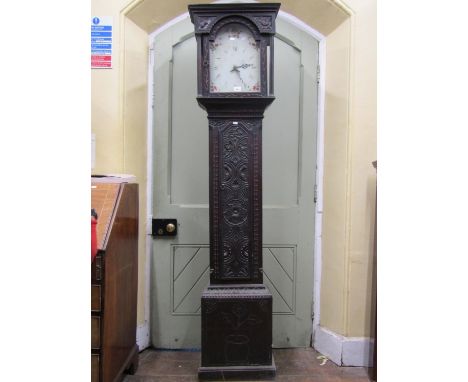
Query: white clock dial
{"x": 234, "y": 61}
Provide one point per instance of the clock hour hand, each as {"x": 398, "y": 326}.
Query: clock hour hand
{"x": 235, "y": 68}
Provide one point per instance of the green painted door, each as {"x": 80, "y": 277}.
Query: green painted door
{"x": 180, "y": 132}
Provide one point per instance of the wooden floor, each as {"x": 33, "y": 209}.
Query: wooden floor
{"x": 293, "y": 365}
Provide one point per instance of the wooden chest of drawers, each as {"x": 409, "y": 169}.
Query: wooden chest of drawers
{"x": 114, "y": 274}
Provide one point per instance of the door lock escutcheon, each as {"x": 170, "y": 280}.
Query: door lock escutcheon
{"x": 164, "y": 227}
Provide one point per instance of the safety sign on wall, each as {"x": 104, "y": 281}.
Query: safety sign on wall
{"x": 101, "y": 42}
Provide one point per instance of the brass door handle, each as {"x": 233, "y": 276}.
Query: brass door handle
{"x": 170, "y": 227}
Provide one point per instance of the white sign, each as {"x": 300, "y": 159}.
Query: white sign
{"x": 101, "y": 42}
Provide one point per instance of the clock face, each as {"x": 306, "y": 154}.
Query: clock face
{"x": 234, "y": 61}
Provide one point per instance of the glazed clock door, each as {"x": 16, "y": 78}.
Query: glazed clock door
{"x": 180, "y": 264}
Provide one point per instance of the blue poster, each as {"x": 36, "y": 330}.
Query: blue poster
{"x": 101, "y": 42}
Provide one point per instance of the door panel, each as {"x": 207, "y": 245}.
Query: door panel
{"x": 281, "y": 130}
{"x": 188, "y": 130}
{"x": 181, "y": 264}
{"x": 279, "y": 276}
{"x": 189, "y": 282}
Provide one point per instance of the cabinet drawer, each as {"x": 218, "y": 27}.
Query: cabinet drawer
{"x": 95, "y": 368}
{"x": 95, "y": 298}
{"x": 97, "y": 268}
{"x": 95, "y": 332}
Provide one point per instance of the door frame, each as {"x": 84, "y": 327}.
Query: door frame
{"x": 319, "y": 160}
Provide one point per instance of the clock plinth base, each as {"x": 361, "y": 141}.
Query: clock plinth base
{"x": 236, "y": 331}
{"x": 238, "y": 373}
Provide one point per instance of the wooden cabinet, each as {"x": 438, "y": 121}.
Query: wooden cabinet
{"x": 114, "y": 275}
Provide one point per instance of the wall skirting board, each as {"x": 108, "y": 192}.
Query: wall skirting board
{"x": 344, "y": 351}
{"x": 142, "y": 336}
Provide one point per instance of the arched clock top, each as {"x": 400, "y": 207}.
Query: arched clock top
{"x": 263, "y": 23}
{"x": 262, "y": 15}
{"x": 227, "y": 20}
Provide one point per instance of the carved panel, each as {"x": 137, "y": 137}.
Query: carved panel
{"x": 235, "y": 202}
{"x": 236, "y": 199}
{"x": 261, "y": 14}
{"x": 264, "y": 23}
{"x": 236, "y": 326}
{"x": 204, "y": 23}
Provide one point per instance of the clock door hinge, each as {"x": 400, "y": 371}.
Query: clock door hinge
{"x": 315, "y": 193}
{"x": 318, "y": 73}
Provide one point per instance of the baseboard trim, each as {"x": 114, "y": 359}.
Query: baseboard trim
{"x": 142, "y": 336}
{"x": 344, "y": 351}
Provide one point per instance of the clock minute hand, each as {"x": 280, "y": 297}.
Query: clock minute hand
{"x": 240, "y": 77}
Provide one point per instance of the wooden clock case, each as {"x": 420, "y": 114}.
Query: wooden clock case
{"x": 236, "y": 306}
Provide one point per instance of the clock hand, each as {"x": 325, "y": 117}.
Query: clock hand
{"x": 235, "y": 68}
{"x": 240, "y": 77}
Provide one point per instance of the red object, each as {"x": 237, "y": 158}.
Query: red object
{"x": 93, "y": 238}
{"x": 103, "y": 61}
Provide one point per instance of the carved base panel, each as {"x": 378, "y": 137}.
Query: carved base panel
{"x": 236, "y": 330}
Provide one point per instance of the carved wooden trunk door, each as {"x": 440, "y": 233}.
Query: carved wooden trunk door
{"x": 236, "y": 203}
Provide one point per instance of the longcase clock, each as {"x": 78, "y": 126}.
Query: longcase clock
{"x": 235, "y": 85}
